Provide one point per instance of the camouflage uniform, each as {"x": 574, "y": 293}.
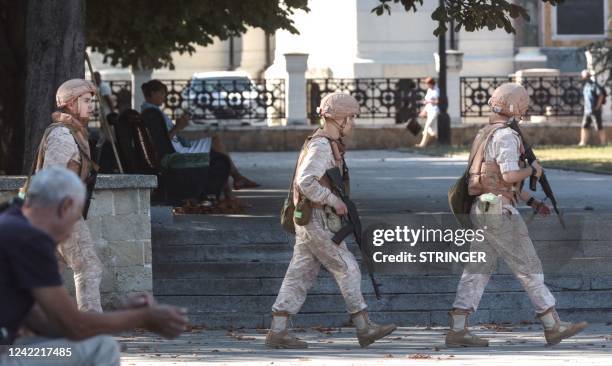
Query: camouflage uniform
{"x": 496, "y": 151}
{"x": 60, "y": 147}
{"x": 506, "y": 237}
{"x": 313, "y": 244}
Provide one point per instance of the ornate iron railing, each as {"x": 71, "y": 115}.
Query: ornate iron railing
{"x": 219, "y": 99}
{"x": 377, "y": 97}
{"x": 212, "y": 99}
{"x": 551, "y": 96}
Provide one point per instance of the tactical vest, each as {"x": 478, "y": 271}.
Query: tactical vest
{"x": 86, "y": 164}
{"x": 486, "y": 176}
{"x": 324, "y": 180}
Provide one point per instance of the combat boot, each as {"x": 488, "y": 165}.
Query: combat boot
{"x": 279, "y": 337}
{"x": 367, "y": 331}
{"x": 555, "y": 330}
{"x": 459, "y": 335}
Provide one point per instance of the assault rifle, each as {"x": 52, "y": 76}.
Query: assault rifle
{"x": 533, "y": 181}
{"x": 352, "y": 223}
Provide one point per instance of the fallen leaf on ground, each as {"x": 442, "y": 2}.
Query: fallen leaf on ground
{"x": 239, "y": 337}
{"x": 497, "y": 327}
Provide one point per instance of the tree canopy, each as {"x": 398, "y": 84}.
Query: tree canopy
{"x": 469, "y": 14}
{"x": 144, "y": 33}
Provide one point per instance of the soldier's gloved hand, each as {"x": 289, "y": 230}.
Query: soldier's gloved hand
{"x": 340, "y": 208}
{"x": 541, "y": 208}
{"x": 536, "y": 165}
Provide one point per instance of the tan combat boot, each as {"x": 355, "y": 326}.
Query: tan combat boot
{"x": 555, "y": 330}
{"x": 367, "y": 331}
{"x": 459, "y": 335}
{"x": 279, "y": 336}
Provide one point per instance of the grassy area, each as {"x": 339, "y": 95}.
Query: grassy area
{"x": 597, "y": 159}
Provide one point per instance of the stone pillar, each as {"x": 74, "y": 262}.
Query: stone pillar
{"x": 295, "y": 88}
{"x": 139, "y": 77}
{"x": 454, "y": 64}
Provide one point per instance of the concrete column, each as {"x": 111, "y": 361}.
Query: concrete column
{"x": 454, "y": 64}
{"x": 295, "y": 88}
{"x": 139, "y": 77}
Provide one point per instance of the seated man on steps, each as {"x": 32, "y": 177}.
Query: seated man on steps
{"x": 155, "y": 95}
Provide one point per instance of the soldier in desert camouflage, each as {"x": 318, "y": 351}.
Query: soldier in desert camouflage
{"x": 313, "y": 245}
{"x": 65, "y": 143}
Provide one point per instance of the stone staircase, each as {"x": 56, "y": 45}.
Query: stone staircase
{"x": 227, "y": 271}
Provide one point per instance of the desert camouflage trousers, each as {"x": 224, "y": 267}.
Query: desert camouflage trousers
{"x": 313, "y": 248}
{"x": 506, "y": 237}
{"x": 79, "y": 254}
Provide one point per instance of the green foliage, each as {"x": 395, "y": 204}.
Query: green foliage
{"x": 469, "y": 14}
{"x": 144, "y": 33}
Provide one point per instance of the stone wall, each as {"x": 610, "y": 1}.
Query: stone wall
{"x": 120, "y": 223}
{"x": 379, "y": 137}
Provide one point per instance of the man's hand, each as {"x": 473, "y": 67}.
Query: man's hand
{"x": 138, "y": 300}
{"x": 182, "y": 122}
{"x": 536, "y": 165}
{"x": 166, "y": 320}
{"x": 340, "y": 208}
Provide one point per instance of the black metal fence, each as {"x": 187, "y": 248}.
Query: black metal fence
{"x": 258, "y": 100}
{"x": 551, "y": 96}
{"x": 219, "y": 99}
{"x": 215, "y": 99}
{"x": 377, "y": 97}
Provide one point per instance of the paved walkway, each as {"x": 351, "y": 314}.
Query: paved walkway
{"x": 384, "y": 183}
{"x": 510, "y": 345}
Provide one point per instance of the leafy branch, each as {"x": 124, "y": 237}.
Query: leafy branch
{"x": 472, "y": 15}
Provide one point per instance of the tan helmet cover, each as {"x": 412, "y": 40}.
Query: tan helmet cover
{"x": 71, "y": 90}
{"x": 510, "y": 99}
{"x": 338, "y": 106}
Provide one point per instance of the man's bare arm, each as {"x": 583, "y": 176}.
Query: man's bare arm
{"x": 38, "y": 321}
{"x": 60, "y": 309}
{"x": 109, "y": 102}
{"x": 600, "y": 100}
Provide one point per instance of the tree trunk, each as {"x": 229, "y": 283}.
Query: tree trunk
{"x": 12, "y": 74}
{"x": 55, "y": 45}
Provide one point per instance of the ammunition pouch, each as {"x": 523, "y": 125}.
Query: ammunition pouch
{"x": 303, "y": 212}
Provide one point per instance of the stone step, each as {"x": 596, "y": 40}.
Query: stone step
{"x": 209, "y": 306}
{"x": 282, "y": 252}
{"x": 325, "y": 284}
{"x": 203, "y": 234}
{"x": 210, "y": 270}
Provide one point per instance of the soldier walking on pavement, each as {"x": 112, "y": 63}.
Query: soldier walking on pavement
{"x": 65, "y": 143}
{"x": 495, "y": 176}
{"x": 313, "y": 245}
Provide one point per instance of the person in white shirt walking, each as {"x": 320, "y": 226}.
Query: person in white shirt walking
{"x": 430, "y": 131}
